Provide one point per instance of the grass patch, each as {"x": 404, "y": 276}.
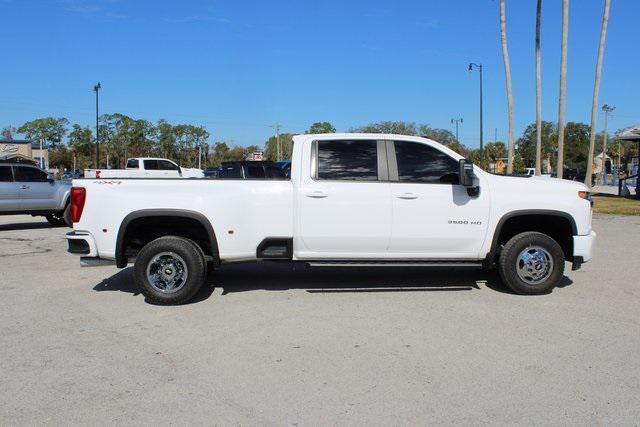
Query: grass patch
{"x": 614, "y": 205}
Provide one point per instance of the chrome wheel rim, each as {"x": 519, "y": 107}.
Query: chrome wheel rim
{"x": 534, "y": 265}
{"x": 167, "y": 272}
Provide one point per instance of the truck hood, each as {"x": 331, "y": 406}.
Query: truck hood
{"x": 192, "y": 172}
{"x": 536, "y": 184}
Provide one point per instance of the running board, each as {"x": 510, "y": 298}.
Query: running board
{"x": 446, "y": 264}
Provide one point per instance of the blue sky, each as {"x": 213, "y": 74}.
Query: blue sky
{"x": 238, "y": 66}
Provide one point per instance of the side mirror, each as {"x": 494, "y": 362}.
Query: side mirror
{"x": 466, "y": 172}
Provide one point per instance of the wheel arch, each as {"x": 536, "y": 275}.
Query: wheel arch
{"x": 507, "y": 224}
{"x": 131, "y": 218}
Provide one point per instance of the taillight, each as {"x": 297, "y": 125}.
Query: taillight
{"x": 78, "y": 196}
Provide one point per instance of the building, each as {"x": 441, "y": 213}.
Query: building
{"x": 24, "y": 150}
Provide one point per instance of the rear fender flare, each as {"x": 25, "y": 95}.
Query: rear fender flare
{"x": 121, "y": 260}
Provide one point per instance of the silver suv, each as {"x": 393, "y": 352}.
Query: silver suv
{"x": 26, "y": 189}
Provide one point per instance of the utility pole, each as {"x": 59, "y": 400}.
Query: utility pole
{"x": 457, "y": 122}
{"x": 200, "y": 156}
{"x": 478, "y": 67}
{"x": 277, "y": 127}
{"x": 607, "y": 109}
{"x": 96, "y": 88}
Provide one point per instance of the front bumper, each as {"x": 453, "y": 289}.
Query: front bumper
{"x": 583, "y": 246}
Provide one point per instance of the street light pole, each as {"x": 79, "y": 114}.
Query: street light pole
{"x": 96, "y": 88}
{"x": 607, "y": 109}
{"x": 457, "y": 122}
{"x": 478, "y": 67}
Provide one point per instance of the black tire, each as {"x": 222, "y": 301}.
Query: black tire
{"x": 61, "y": 218}
{"x": 66, "y": 216}
{"x": 184, "y": 255}
{"x": 54, "y": 219}
{"x": 539, "y": 277}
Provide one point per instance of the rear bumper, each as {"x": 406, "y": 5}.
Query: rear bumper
{"x": 82, "y": 243}
{"x": 583, "y": 246}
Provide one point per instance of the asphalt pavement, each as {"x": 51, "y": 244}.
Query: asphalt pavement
{"x": 285, "y": 344}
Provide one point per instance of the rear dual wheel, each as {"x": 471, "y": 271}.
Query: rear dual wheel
{"x": 170, "y": 270}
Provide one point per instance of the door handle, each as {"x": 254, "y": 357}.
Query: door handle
{"x": 407, "y": 196}
{"x": 24, "y": 187}
{"x": 317, "y": 194}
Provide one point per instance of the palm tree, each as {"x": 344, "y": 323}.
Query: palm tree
{"x": 563, "y": 85}
{"x": 596, "y": 91}
{"x": 538, "y": 91}
{"x": 507, "y": 75}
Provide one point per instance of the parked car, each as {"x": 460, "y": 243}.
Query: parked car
{"x": 285, "y": 165}
{"x": 26, "y": 189}
{"x": 353, "y": 200}
{"x": 211, "y": 172}
{"x": 146, "y": 167}
{"x": 72, "y": 175}
{"x": 249, "y": 169}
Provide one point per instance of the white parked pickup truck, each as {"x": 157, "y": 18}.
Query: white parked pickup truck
{"x": 352, "y": 200}
{"x": 146, "y": 167}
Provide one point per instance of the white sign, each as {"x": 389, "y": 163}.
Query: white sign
{"x": 9, "y": 148}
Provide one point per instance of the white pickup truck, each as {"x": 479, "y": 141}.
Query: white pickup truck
{"x": 146, "y": 167}
{"x": 352, "y": 200}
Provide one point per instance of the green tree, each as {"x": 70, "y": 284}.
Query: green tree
{"x": 7, "y": 132}
{"x": 286, "y": 147}
{"x": 48, "y": 129}
{"x": 82, "y": 145}
{"x": 60, "y": 157}
{"x": 398, "y": 127}
{"x": 321, "y": 127}
{"x": 577, "y": 137}
{"x": 188, "y": 139}
{"x": 165, "y": 139}
{"x": 220, "y": 153}
{"x": 443, "y": 136}
{"x": 526, "y": 144}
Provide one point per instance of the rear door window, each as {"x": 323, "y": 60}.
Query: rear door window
{"x": 347, "y": 160}
{"x": 27, "y": 174}
{"x": 151, "y": 165}
{"x": 5, "y": 174}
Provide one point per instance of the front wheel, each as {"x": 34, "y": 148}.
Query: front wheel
{"x": 531, "y": 263}
{"x": 170, "y": 270}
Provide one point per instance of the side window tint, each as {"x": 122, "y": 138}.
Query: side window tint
{"x": 151, "y": 165}
{"x": 5, "y": 174}
{"x": 348, "y": 160}
{"x": 422, "y": 163}
{"x": 167, "y": 165}
{"x": 26, "y": 174}
{"x": 133, "y": 164}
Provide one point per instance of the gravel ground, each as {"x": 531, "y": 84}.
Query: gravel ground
{"x": 286, "y": 344}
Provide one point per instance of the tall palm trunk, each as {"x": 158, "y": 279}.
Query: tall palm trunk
{"x": 538, "y": 92}
{"x": 507, "y": 75}
{"x": 596, "y": 92}
{"x": 563, "y": 86}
